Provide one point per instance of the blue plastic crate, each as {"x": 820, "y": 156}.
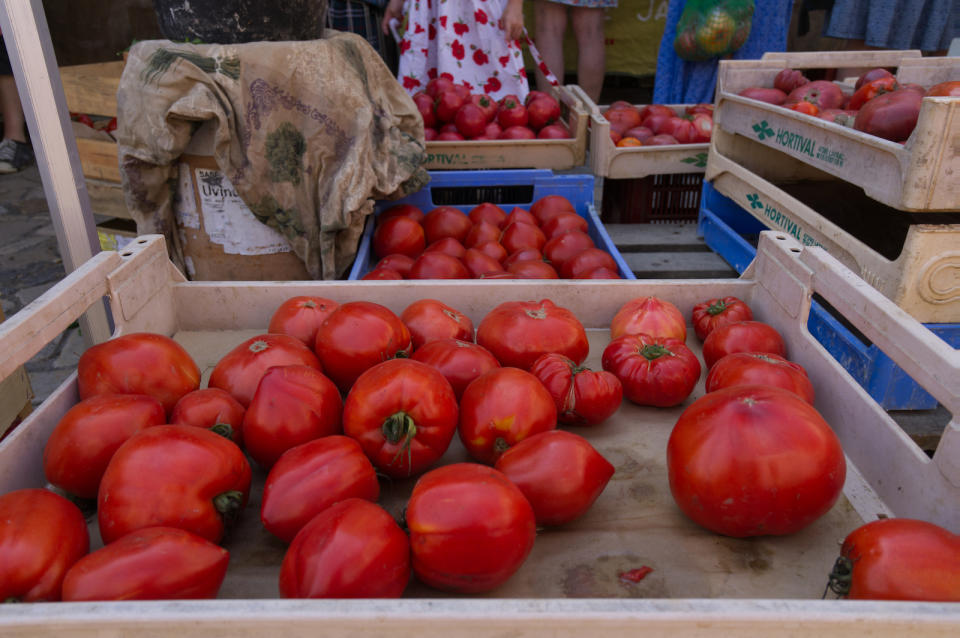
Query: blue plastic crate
{"x": 723, "y": 224}
{"x": 507, "y": 189}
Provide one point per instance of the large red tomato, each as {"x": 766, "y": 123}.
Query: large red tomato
{"x": 173, "y": 476}
{"x": 651, "y": 316}
{"x": 586, "y": 261}
{"x": 460, "y": 362}
{"x": 379, "y": 274}
{"x": 559, "y": 472}
{"x": 154, "y": 563}
{"x": 353, "y": 549}
{"x": 892, "y": 116}
{"x": 520, "y": 215}
{"x": 655, "y": 371}
{"x": 582, "y": 396}
{"x": 210, "y": 408}
{"x": 431, "y": 320}
{"x": 562, "y": 223}
{"x": 292, "y": 405}
{"x": 300, "y": 317}
{"x": 742, "y": 336}
{"x": 752, "y": 461}
{"x": 476, "y": 545}
{"x": 437, "y": 265}
{"x": 550, "y": 206}
{"x": 821, "y": 93}
{"x": 520, "y": 235}
{"x": 138, "y": 363}
{"x": 899, "y": 559}
{"x": 481, "y": 233}
{"x": 944, "y": 89}
{"x": 487, "y": 212}
{"x": 240, "y": 370}
{"x": 709, "y": 314}
{"x": 79, "y": 448}
{"x": 502, "y": 407}
{"x": 42, "y": 535}
{"x": 447, "y": 246}
{"x": 310, "y": 478}
{"x": 403, "y": 413}
{"x": 518, "y": 332}
{"x": 480, "y": 263}
{"x": 446, "y": 221}
{"x": 398, "y": 263}
{"x": 399, "y": 235}
{"x": 357, "y": 336}
{"x": 758, "y": 368}
{"x": 565, "y": 247}
{"x": 532, "y": 269}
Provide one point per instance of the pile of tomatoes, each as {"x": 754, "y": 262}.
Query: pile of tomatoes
{"x": 658, "y": 124}
{"x": 548, "y": 241}
{"x": 879, "y": 104}
{"x": 451, "y": 113}
{"x": 335, "y": 396}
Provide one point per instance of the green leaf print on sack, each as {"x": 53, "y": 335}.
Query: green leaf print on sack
{"x": 285, "y": 147}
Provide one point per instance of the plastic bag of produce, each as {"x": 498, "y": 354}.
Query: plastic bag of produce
{"x": 712, "y": 28}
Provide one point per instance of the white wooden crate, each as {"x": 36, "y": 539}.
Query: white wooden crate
{"x": 702, "y": 584}
{"x": 920, "y": 175}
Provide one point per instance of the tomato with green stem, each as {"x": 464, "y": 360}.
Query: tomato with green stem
{"x": 656, "y": 371}
{"x": 708, "y": 315}
{"x": 582, "y": 396}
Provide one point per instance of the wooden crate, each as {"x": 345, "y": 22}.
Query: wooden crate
{"x": 920, "y": 175}
{"x": 15, "y": 396}
{"x": 702, "y": 584}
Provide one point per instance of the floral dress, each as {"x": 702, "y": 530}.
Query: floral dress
{"x": 463, "y": 40}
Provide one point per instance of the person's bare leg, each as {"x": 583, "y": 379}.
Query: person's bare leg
{"x": 551, "y": 22}
{"x": 591, "y": 56}
{"x": 14, "y": 125}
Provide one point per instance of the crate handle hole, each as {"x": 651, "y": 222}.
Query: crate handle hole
{"x": 141, "y": 241}
{"x": 782, "y": 237}
{"x": 795, "y": 250}
{"x": 126, "y": 253}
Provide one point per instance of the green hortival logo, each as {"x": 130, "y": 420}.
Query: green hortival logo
{"x": 699, "y": 160}
{"x": 763, "y": 130}
{"x": 755, "y": 200}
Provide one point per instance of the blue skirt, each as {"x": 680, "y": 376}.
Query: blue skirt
{"x": 928, "y": 25}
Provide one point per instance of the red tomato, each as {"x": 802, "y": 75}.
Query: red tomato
{"x": 842, "y": 117}
{"x": 446, "y": 222}
{"x": 501, "y": 408}
{"x": 806, "y": 108}
{"x": 703, "y": 125}
{"x": 532, "y": 269}
{"x": 518, "y": 332}
{"x": 42, "y": 536}
{"x": 471, "y": 120}
{"x": 524, "y": 254}
{"x": 657, "y": 371}
{"x": 549, "y": 206}
{"x": 78, "y": 450}
{"x": 512, "y": 113}
{"x": 447, "y": 246}
{"x": 565, "y": 247}
{"x": 492, "y": 131}
{"x": 399, "y": 235}
{"x": 764, "y": 94}
{"x": 871, "y": 90}
{"x": 582, "y": 396}
{"x": 519, "y": 235}
{"x": 460, "y": 362}
{"x": 542, "y": 111}
{"x": 656, "y": 109}
{"x": 479, "y": 263}
{"x": 656, "y": 122}
{"x": 489, "y": 213}
{"x": 399, "y": 263}
{"x": 554, "y": 132}
{"x": 944, "y": 89}
{"x": 520, "y": 215}
{"x": 899, "y": 559}
{"x": 871, "y": 75}
{"x": 789, "y": 79}
{"x": 447, "y": 104}
{"x": 438, "y": 85}
{"x": 562, "y": 223}
{"x": 532, "y": 95}
{"x": 639, "y": 133}
{"x": 481, "y": 233}
{"x": 742, "y": 336}
{"x": 211, "y": 408}
{"x": 623, "y": 118}
{"x": 559, "y": 472}
{"x": 154, "y": 563}
{"x": 486, "y": 104}
{"x": 649, "y": 315}
{"x": 662, "y": 140}
{"x": 892, "y": 116}
{"x": 680, "y": 128}
{"x": 436, "y": 265}
{"x": 719, "y": 311}
{"x": 353, "y": 549}
{"x": 301, "y": 316}
{"x": 477, "y": 545}
{"x": 757, "y": 368}
{"x": 240, "y": 370}
{"x": 292, "y": 405}
{"x": 585, "y": 261}
{"x": 310, "y": 478}
{"x": 357, "y": 336}
{"x": 429, "y": 134}
{"x": 518, "y": 133}
{"x": 493, "y": 249}
{"x": 138, "y": 363}
{"x": 822, "y": 93}
{"x": 600, "y": 273}
{"x": 175, "y": 476}
{"x": 403, "y": 413}
{"x": 450, "y": 136}
{"x": 382, "y": 274}
{"x": 424, "y": 105}
{"x": 431, "y": 320}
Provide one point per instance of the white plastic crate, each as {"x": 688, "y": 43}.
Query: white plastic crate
{"x": 702, "y": 584}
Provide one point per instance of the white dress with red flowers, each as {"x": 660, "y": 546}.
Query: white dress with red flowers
{"x": 462, "y": 39}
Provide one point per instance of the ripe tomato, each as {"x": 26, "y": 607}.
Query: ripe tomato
{"x": 446, "y": 221}
{"x": 210, "y": 408}
{"x": 81, "y": 445}
{"x": 481, "y": 233}
{"x": 357, "y": 336}
{"x": 871, "y": 75}
{"x": 944, "y": 89}
{"x": 754, "y": 460}
{"x": 821, "y": 93}
{"x": 542, "y": 111}
{"x": 41, "y": 537}
{"x": 518, "y": 332}
{"x": 502, "y": 407}
{"x": 554, "y": 132}
{"x": 292, "y": 405}
{"x": 240, "y": 370}
{"x": 656, "y": 109}
{"x": 310, "y": 478}
{"x": 524, "y": 254}
{"x": 565, "y": 247}
{"x": 489, "y": 213}
{"x": 870, "y": 90}
{"x": 623, "y": 118}
{"x": 450, "y": 136}
{"x": 789, "y": 79}
{"x": 487, "y": 104}
{"x": 657, "y": 371}
{"x": 401, "y": 210}
{"x": 582, "y": 396}
{"x": 435, "y": 265}
{"x": 477, "y": 545}
{"x": 629, "y": 142}
{"x": 447, "y": 104}
{"x": 742, "y": 336}
{"x": 471, "y": 120}
{"x": 758, "y": 368}
{"x": 447, "y": 246}
{"x": 519, "y": 235}
{"x": 585, "y": 261}
{"x": 562, "y": 223}
{"x": 403, "y": 413}
{"x": 382, "y": 274}
{"x": 899, "y": 559}
{"x": 174, "y": 476}
{"x": 460, "y": 362}
{"x": 680, "y": 128}
{"x": 549, "y": 206}
{"x": 639, "y": 133}
{"x": 353, "y": 549}
{"x": 600, "y": 273}
{"x": 395, "y": 262}
{"x": 512, "y": 113}
{"x": 709, "y": 314}
{"x": 154, "y": 563}
{"x": 493, "y": 249}
{"x": 399, "y": 235}
{"x": 520, "y": 215}
{"x": 479, "y": 263}
{"x": 431, "y": 320}
{"x": 559, "y": 472}
{"x": 764, "y": 94}
{"x": 532, "y": 269}
{"x": 892, "y": 116}
{"x": 807, "y": 108}
{"x": 649, "y": 315}
{"x": 300, "y": 317}
{"x": 138, "y": 363}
